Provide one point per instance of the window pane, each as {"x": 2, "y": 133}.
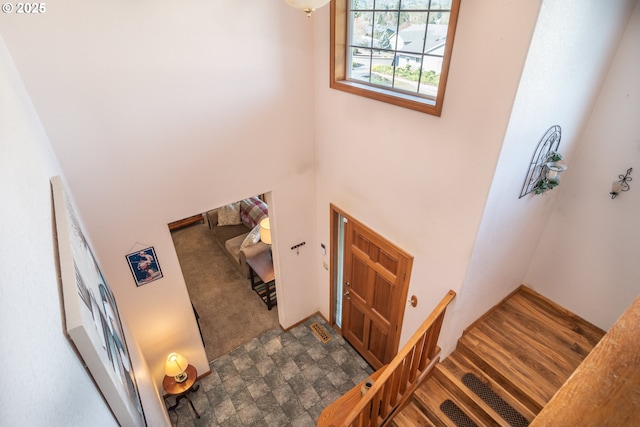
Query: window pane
{"x": 407, "y": 72}
{"x": 436, "y": 31}
{"x": 431, "y": 69}
{"x": 382, "y": 68}
{"x": 415, "y": 4}
{"x": 387, "y": 4}
{"x": 361, "y": 29}
{"x": 360, "y": 61}
{"x": 412, "y": 31}
{"x": 424, "y": 5}
{"x": 440, "y": 18}
{"x": 440, "y": 4}
{"x": 384, "y": 29}
{"x": 361, "y": 4}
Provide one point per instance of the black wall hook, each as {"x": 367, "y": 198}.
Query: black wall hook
{"x": 297, "y": 247}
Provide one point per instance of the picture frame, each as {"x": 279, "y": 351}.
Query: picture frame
{"x": 144, "y": 266}
{"x": 91, "y": 315}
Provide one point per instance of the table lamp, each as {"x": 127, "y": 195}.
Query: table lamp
{"x": 265, "y": 231}
{"x": 175, "y": 367}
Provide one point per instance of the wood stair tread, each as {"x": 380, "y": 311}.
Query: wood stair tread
{"x": 463, "y": 394}
{"x": 562, "y": 322}
{"x": 581, "y": 328}
{"x": 520, "y": 353}
{"x": 430, "y": 396}
{"x": 411, "y": 416}
{"x": 530, "y": 342}
{"x": 570, "y": 349}
{"x": 499, "y": 363}
{"x": 527, "y": 353}
{"x": 459, "y": 365}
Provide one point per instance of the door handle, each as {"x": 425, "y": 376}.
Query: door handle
{"x": 346, "y": 294}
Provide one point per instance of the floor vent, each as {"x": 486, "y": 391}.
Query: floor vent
{"x": 320, "y": 332}
{"x": 510, "y": 415}
{"x": 453, "y": 411}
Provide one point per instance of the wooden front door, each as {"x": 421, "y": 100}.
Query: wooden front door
{"x": 375, "y": 285}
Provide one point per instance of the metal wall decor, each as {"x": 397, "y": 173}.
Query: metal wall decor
{"x": 622, "y": 184}
{"x": 537, "y": 168}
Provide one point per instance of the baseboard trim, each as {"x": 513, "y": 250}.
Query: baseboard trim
{"x": 317, "y": 313}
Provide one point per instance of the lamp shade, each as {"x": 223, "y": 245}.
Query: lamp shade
{"x": 175, "y": 365}
{"x": 307, "y": 5}
{"x": 265, "y": 231}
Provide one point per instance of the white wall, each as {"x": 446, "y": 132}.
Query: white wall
{"x": 422, "y": 181}
{"x": 565, "y": 68}
{"x": 587, "y": 259}
{"x": 45, "y": 381}
{"x": 162, "y": 110}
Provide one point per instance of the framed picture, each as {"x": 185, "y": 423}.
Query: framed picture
{"x": 144, "y": 266}
{"x": 91, "y": 314}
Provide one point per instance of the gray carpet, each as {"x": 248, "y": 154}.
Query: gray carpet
{"x": 491, "y": 398}
{"x": 231, "y": 314}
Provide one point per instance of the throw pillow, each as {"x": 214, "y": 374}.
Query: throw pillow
{"x": 252, "y": 211}
{"x": 252, "y": 238}
{"x": 229, "y": 214}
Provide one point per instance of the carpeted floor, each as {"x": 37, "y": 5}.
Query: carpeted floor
{"x": 231, "y": 314}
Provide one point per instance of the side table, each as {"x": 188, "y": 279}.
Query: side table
{"x": 264, "y": 285}
{"x": 181, "y": 390}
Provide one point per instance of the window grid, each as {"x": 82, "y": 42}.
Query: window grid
{"x": 396, "y": 82}
{"x": 395, "y": 51}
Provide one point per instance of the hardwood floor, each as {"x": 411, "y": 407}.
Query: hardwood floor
{"x": 523, "y": 351}
{"x": 604, "y": 390}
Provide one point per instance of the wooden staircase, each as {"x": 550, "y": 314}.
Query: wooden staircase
{"x": 516, "y": 356}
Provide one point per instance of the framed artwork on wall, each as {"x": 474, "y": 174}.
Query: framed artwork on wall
{"x": 144, "y": 266}
{"x": 91, "y": 314}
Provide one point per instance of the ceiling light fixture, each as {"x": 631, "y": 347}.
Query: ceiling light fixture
{"x": 308, "y": 6}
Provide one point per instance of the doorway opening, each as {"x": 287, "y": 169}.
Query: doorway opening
{"x": 229, "y": 312}
{"x": 369, "y": 285}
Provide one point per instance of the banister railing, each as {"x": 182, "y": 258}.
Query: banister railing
{"x": 396, "y": 380}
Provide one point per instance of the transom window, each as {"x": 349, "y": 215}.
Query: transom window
{"x": 394, "y": 51}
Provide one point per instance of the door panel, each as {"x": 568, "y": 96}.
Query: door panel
{"x": 387, "y": 262}
{"x": 359, "y": 279}
{"x": 383, "y": 291}
{"x": 377, "y": 343}
{"x": 375, "y": 288}
{"x": 355, "y": 318}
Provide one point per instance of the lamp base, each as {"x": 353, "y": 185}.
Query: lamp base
{"x": 180, "y": 378}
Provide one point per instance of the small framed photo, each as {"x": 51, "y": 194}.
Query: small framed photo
{"x": 144, "y": 266}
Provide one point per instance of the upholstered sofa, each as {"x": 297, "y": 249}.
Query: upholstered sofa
{"x": 236, "y": 229}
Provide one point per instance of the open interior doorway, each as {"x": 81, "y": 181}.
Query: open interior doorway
{"x": 230, "y": 313}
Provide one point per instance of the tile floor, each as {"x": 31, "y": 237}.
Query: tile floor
{"x": 278, "y": 379}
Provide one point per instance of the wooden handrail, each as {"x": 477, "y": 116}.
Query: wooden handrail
{"x": 399, "y": 378}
